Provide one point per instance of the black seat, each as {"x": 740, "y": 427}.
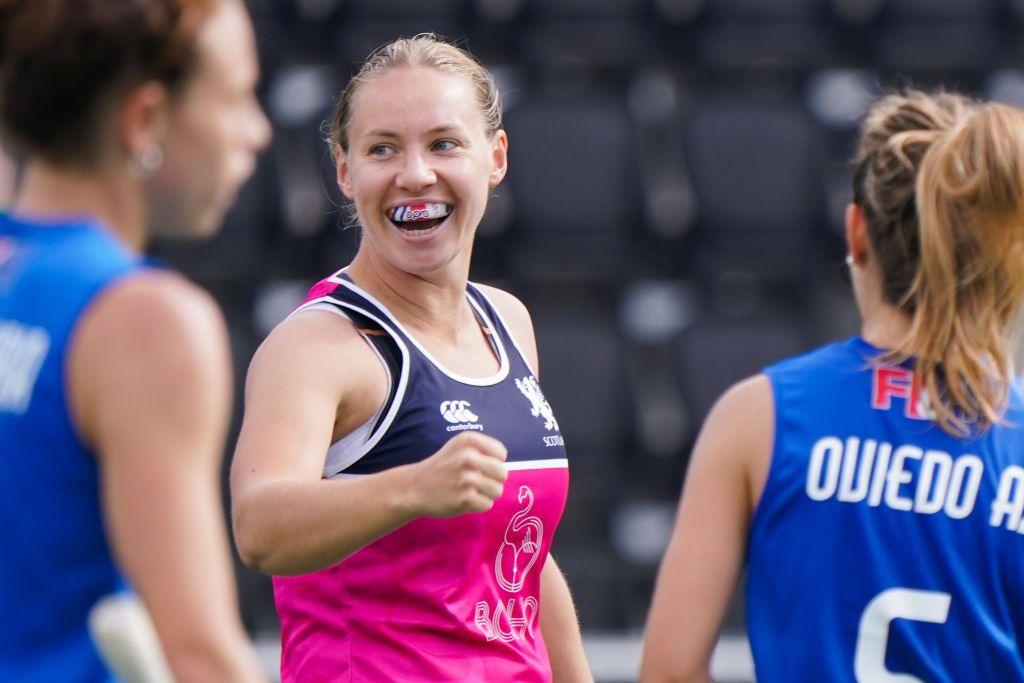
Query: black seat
{"x": 403, "y": 9}
{"x": 544, "y": 10}
{"x": 357, "y": 39}
{"x": 939, "y": 50}
{"x": 755, "y": 163}
{"x": 583, "y": 375}
{"x": 715, "y": 354}
{"x": 941, "y": 10}
{"x": 793, "y": 10}
{"x": 573, "y": 186}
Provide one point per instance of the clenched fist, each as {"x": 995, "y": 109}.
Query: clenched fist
{"x": 466, "y": 475}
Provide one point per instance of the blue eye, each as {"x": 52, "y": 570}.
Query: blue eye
{"x": 445, "y": 145}
{"x": 380, "y": 150}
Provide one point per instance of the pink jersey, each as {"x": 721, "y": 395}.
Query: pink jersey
{"x": 454, "y": 599}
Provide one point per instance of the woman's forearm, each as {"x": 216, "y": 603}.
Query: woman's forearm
{"x": 295, "y": 527}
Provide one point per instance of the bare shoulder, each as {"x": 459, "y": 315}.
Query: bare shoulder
{"x": 158, "y": 316}
{"x": 310, "y": 339}
{"x": 153, "y": 343}
{"x": 740, "y": 430}
{"x": 319, "y": 356}
{"x": 747, "y": 400}
{"x": 517, "y": 317}
{"x": 508, "y": 304}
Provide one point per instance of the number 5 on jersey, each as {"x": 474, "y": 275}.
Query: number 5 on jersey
{"x": 873, "y": 635}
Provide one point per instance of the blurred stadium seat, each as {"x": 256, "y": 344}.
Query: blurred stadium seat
{"x": 575, "y": 188}
{"x": 755, "y": 161}
{"x": 715, "y": 354}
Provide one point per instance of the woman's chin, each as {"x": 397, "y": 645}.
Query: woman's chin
{"x": 427, "y": 262}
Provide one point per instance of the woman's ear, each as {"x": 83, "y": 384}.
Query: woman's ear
{"x": 858, "y": 244}
{"x": 344, "y": 179}
{"x": 143, "y": 120}
{"x": 499, "y": 158}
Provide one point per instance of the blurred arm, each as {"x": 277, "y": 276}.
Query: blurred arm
{"x": 561, "y": 628}
{"x": 704, "y": 557}
{"x": 150, "y": 385}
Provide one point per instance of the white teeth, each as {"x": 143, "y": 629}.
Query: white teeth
{"x": 412, "y": 213}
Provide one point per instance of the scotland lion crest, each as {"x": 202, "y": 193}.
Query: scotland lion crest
{"x": 540, "y": 407}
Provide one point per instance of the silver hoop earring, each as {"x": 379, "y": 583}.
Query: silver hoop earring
{"x": 143, "y": 166}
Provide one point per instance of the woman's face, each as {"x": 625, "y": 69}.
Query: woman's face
{"x": 417, "y": 137}
{"x": 215, "y": 129}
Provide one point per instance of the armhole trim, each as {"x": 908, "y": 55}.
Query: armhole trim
{"x": 508, "y": 330}
{"x": 776, "y": 455}
{"x": 327, "y": 303}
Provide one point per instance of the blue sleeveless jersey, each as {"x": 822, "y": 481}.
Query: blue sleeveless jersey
{"x": 55, "y": 563}
{"x": 884, "y": 550}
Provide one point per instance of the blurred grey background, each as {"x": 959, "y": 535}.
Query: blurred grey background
{"x": 672, "y": 218}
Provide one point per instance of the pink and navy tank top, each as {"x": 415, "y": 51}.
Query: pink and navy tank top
{"x": 453, "y": 599}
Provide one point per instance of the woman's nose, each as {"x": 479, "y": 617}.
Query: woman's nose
{"x": 416, "y": 173}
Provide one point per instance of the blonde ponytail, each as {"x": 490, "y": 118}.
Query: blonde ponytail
{"x": 968, "y": 288}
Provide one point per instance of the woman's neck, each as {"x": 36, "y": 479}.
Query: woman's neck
{"x": 885, "y": 326}
{"x": 434, "y": 304}
{"x": 48, "y": 190}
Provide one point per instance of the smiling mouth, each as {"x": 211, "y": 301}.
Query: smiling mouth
{"x": 419, "y": 218}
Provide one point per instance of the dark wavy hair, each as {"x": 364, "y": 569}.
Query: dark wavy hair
{"x": 63, "y": 62}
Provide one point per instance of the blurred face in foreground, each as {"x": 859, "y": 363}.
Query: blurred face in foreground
{"x": 417, "y": 138}
{"x": 215, "y": 129}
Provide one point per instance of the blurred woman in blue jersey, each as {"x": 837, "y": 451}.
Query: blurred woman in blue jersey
{"x": 875, "y": 487}
{"x": 134, "y": 118}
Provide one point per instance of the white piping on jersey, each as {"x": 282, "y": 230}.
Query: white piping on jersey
{"x": 403, "y": 380}
{"x": 345, "y": 451}
{"x": 552, "y": 464}
{"x": 511, "y": 334}
{"x": 503, "y": 369}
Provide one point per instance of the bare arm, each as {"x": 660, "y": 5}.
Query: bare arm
{"x": 151, "y": 391}
{"x": 315, "y": 369}
{"x": 558, "y": 619}
{"x": 704, "y": 557}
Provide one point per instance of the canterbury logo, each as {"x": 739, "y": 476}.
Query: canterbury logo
{"x": 457, "y": 411}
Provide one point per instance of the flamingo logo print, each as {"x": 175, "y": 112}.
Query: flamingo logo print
{"x": 520, "y": 547}
{"x": 514, "y": 618}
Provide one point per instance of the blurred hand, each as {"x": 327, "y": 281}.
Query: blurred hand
{"x": 466, "y": 475}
